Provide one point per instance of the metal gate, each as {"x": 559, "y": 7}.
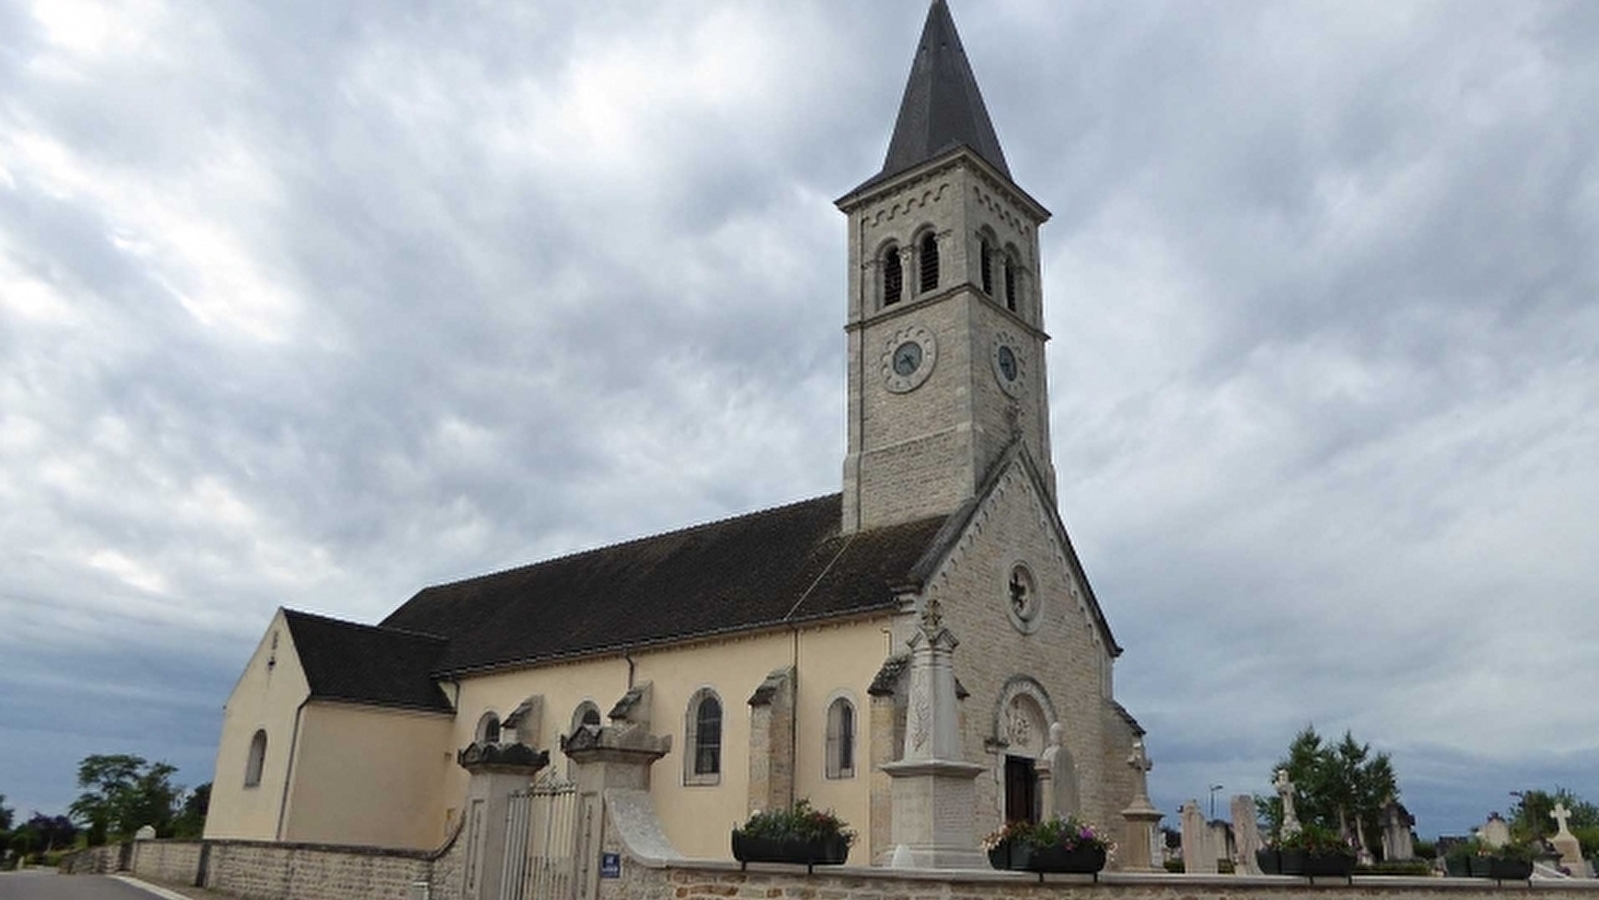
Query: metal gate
{"x": 542, "y": 821}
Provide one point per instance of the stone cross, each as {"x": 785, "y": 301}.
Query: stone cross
{"x": 1285, "y": 792}
{"x": 1139, "y": 762}
{"x": 1561, "y": 815}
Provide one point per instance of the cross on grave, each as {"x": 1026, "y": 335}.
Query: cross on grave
{"x": 1560, "y": 814}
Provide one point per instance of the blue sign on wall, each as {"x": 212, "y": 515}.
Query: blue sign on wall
{"x": 610, "y": 865}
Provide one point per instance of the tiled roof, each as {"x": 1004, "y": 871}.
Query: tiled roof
{"x": 765, "y": 569}
{"x": 367, "y": 664}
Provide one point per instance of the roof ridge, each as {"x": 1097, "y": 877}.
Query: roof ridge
{"x": 386, "y": 629}
{"x": 687, "y": 529}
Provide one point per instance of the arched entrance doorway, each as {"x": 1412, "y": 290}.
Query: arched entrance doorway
{"x": 1021, "y": 736}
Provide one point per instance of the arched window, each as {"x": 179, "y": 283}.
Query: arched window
{"x": 929, "y": 261}
{"x": 1012, "y": 273}
{"x": 841, "y": 739}
{"x": 703, "y": 738}
{"x": 488, "y": 728}
{"x": 893, "y": 277}
{"x": 256, "y": 761}
{"x": 985, "y": 264}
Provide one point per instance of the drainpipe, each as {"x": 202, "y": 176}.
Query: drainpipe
{"x": 288, "y": 774}
{"x": 793, "y": 721}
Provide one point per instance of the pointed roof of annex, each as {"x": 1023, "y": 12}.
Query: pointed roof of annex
{"x": 942, "y": 108}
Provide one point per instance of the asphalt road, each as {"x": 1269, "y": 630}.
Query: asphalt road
{"x": 46, "y": 885}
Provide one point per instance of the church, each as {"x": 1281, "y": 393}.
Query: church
{"x": 769, "y": 652}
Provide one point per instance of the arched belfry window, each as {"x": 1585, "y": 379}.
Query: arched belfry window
{"x": 893, "y": 277}
{"x": 256, "y": 761}
{"x": 702, "y": 738}
{"x": 985, "y": 263}
{"x": 841, "y": 739}
{"x": 929, "y": 262}
{"x": 1012, "y": 275}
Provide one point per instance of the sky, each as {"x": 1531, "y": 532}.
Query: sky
{"x": 313, "y": 304}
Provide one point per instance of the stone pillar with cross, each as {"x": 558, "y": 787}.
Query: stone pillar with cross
{"x": 934, "y": 794}
{"x": 1141, "y": 841}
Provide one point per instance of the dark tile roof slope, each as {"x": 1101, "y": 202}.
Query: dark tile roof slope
{"x": 787, "y": 564}
{"x": 367, "y": 664}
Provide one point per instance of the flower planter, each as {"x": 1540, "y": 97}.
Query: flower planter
{"x": 1010, "y": 855}
{"x": 1457, "y": 866}
{"x": 1270, "y": 861}
{"x": 1293, "y": 862}
{"x": 1078, "y": 860}
{"x": 1329, "y": 865}
{"x": 827, "y": 851}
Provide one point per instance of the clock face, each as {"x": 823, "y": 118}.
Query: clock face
{"x": 1010, "y": 366}
{"x": 907, "y": 358}
{"x": 1007, "y": 363}
{"x": 909, "y": 355}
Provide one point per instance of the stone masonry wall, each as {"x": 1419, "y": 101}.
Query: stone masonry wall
{"x": 715, "y": 881}
{"x": 167, "y": 860}
{"x": 258, "y": 870}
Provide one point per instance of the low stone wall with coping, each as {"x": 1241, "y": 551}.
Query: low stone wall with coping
{"x": 720, "y": 881}
{"x": 264, "y": 870}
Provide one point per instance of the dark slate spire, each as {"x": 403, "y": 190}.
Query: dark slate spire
{"x": 942, "y": 108}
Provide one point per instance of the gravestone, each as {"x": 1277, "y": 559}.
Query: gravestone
{"x": 1199, "y": 858}
{"x": 1246, "y": 836}
{"x": 1285, "y": 793}
{"x": 1495, "y": 832}
{"x": 145, "y": 833}
{"x": 1397, "y": 841}
{"x": 1567, "y": 845}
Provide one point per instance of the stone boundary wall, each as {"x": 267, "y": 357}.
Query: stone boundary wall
{"x": 264, "y": 870}
{"x": 719, "y": 881}
{"x": 167, "y": 860}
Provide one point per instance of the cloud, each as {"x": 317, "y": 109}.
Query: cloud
{"x": 316, "y": 307}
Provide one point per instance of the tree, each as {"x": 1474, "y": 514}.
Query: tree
{"x": 5, "y": 814}
{"x": 1341, "y": 786}
{"x": 123, "y": 793}
{"x": 190, "y": 822}
{"x": 52, "y": 832}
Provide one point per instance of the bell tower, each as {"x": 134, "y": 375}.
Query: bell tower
{"x": 945, "y": 318}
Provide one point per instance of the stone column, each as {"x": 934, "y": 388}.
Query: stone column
{"x": 1140, "y": 847}
{"x": 616, "y": 757}
{"x": 497, "y": 770}
{"x": 934, "y": 797}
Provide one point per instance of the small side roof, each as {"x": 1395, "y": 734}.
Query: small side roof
{"x": 367, "y": 664}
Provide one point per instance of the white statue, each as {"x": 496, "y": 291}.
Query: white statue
{"x": 1062, "y": 773}
{"x": 1285, "y": 793}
